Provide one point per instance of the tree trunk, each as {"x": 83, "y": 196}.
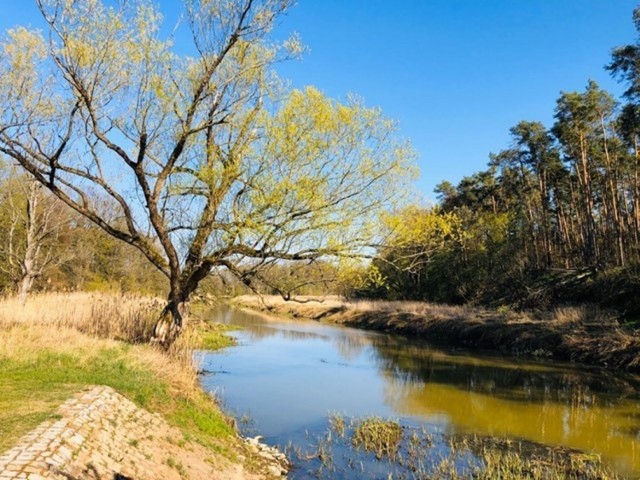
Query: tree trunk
{"x": 32, "y": 246}
{"x": 636, "y": 190}
{"x": 544, "y": 209}
{"x": 183, "y": 284}
{"x": 24, "y": 287}
{"x": 169, "y": 325}
{"x": 611, "y": 178}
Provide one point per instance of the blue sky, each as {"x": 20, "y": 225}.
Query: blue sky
{"x": 455, "y": 74}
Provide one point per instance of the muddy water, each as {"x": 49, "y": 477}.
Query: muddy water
{"x": 287, "y": 377}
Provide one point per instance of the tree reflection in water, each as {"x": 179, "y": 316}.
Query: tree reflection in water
{"x": 329, "y": 368}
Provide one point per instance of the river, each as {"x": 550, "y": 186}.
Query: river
{"x": 286, "y": 378}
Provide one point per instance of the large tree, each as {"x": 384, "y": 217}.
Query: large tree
{"x": 206, "y": 160}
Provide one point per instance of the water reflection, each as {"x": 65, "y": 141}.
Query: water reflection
{"x": 531, "y": 382}
{"x": 289, "y": 374}
{"x": 257, "y": 327}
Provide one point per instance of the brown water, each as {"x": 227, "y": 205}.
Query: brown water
{"x": 289, "y": 376}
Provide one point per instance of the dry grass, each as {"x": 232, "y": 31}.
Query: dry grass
{"x": 88, "y": 323}
{"x": 120, "y": 317}
{"x": 60, "y": 343}
{"x": 379, "y": 436}
{"x": 308, "y": 305}
{"x": 317, "y": 307}
{"x": 581, "y": 334}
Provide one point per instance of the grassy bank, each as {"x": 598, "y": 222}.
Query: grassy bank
{"x": 574, "y": 334}
{"x": 57, "y": 344}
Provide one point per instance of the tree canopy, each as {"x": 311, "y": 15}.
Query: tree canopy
{"x": 202, "y": 160}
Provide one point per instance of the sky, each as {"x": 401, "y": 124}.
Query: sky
{"x": 454, "y": 74}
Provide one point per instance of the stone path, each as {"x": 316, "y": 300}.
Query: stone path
{"x": 101, "y": 435}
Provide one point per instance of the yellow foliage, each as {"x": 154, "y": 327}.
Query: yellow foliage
{"x": 25, "y": 47}
{"x": 428, "y": 228}
{"x": 212, "y": 150}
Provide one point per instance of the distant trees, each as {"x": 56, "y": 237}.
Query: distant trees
{"x": 206, "y": 162}
{"x": 559, "y": 198}
{"x": 31, "y": 224}
{"x": 46, "y": 245}
{"x": 417, "y": 241}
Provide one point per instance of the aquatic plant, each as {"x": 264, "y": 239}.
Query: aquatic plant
{"x": 374, "y": 447}
{"x": 379, "y": 436}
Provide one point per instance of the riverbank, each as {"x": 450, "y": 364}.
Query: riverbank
{"x": 322, "y": 389}
{"x": 60, "y": 344}
{"x": 573, "y": 334}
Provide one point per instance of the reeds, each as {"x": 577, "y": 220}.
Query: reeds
{"x": 379, "y": 436}
{"x": 118, "y": 317}
{"x": 365, "y": 447}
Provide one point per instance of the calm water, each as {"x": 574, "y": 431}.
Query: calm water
{"x": 289, "y": 376}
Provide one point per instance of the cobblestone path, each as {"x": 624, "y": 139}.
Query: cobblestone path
{"x": 99, "y": 434}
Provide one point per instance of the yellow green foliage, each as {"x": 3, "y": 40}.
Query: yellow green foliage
{"x": 428, "y": 229}
{"x": 200, "y": 163}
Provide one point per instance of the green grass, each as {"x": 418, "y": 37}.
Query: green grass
{"x": 23, "y": 407}
{"x": 34, "y": 384}
{"x": 173, "y": 463}
{"x": 209, "y": 335}
{"x": 212, "y": 337}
